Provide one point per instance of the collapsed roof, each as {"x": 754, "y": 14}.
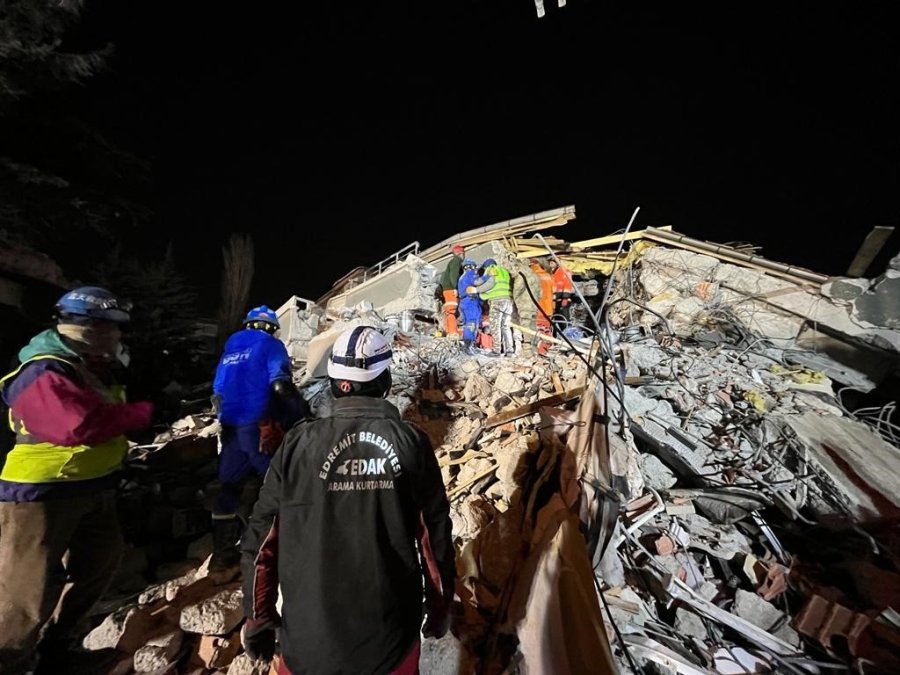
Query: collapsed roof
{"x": 681, "y": 482}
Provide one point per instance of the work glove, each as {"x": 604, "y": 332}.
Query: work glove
{"x": 437, "y": 618}
{"x": 270, "y": 436}
{"x": 258, "y": 639}
{"x": 216, "y": 402}
{"x": 471, "y": 290}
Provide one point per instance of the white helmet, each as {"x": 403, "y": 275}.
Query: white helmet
{"x": 359, "y": 355}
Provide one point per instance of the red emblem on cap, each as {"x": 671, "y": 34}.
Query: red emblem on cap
{"x": 345, "y": 386}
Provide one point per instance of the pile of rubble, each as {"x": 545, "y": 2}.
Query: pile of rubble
{"x": 684, "y": 491}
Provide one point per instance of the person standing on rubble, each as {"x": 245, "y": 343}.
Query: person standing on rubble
{"x": 60, "y": 541}
{"x": 545, "y": 304}
{"x": 256, "y": 401}
{"x": 563, "y": 289}
{"x": 352, "y": 521}
{"x": 495, "y": 287}
{"x": 449, "y": 284}
{"x": 469, "y": 305}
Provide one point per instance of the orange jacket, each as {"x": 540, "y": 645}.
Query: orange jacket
{"x": 562, "y": 281}
{"x": 545, "y": 300}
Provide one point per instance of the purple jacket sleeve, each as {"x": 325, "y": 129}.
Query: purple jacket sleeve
{"x": 58, "y": 410}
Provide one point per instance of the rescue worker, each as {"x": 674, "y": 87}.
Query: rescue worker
{"x": 449, "y": 287}
{"x": 469, "y": 305}
{"x": 495, "y": 287}
{"x": 545, "y": 304}
{"x": 351, "y": 523}
{"x": 563, "y": 289}
{"x": 256, "y": 401}
{"x": 60, "y": 541}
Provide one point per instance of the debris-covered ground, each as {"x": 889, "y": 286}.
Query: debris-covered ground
{"x": 682, "y": 490}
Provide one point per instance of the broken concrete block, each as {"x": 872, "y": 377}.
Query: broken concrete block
{"x": 244, "y": 665}
{"x": 469, "y": 517}
{"x": 217, "y": 615}
{"x": 442, "y": 657}
{"x": 108, "y": 633}
{"x": 477, "y": 388}
{"x": 626, "y": 606}
{"x": 129, "y": 629}
{"x": 175, "y": 570}
{"x": 764, "y": 615}
{"x": 507, "y": 382}
{"x": 644, "y": 357}
{"x": 656, "y": 474}
{"x": 688, "y": 623}
{"x": 511, "y": 463}
{"x": 158, "y": 652}
{"x": 473, "y": 468}
{"x": 684, "y": 315}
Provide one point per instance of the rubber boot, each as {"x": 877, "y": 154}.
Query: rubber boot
{"x": 226, "y": 534}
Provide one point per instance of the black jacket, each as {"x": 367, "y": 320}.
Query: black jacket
{"x": 338, "y": 524}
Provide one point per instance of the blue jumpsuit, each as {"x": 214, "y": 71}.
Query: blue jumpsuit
{"x": 251, "y": 361}
{"x": 469, "y": 307}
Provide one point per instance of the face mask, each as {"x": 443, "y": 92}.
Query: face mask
{"x": 102, "y": 339}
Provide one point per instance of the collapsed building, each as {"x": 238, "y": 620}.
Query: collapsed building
{"x": 702, "y": 477}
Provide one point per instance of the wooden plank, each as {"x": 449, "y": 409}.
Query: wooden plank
{"x": 542, "y": 336}
{"x": 612, "y": 238}
{"x": 557, "y": 383}
{"x": 470, "y": 454}
{"x": 471, "y": 481}
{"x": 871, "y": 247}
{"x": 550, "y": 401}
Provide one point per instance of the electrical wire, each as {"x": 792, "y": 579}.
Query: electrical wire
{"x": 625, "y": 648}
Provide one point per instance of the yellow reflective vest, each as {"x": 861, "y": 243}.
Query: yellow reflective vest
{"x": 33, "y": 460}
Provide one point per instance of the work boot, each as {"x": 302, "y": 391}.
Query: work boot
{"x": 226, "y": 534}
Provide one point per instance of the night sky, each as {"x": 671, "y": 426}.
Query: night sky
{"x": 302, "y": 122}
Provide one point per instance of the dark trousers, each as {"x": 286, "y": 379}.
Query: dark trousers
{"x": 409, "y": 665}
{"x": 240, "y": 457}
{"x": 57, "y": 558}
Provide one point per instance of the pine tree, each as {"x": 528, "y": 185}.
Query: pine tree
{"x": 236, "y": 279}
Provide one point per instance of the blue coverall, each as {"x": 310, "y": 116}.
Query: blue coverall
{"x": 251, "y": 361}
{"x": 469, "y": 307}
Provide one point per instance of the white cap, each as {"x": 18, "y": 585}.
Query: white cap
{"x": 360, "y": 355}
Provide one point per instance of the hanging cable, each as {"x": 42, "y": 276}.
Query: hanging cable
{"x": 625, "y": 649}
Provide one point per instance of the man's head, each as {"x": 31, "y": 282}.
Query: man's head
{"x": 360, "y": 364}
{"x": 262, "y": 318}
{"x": 469, "y": 264}
{"x": 489, "y": 262}
{"x": 552, "y": 265}
{"x": 89, "y": 318}
{"x": 458, "y": 249}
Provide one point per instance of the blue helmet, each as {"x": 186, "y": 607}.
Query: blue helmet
{"x": 487, "y": 263}
{"x": 92, "y": 303}
{"x": 468, "y": 262}
{"x": 262, "y": 315}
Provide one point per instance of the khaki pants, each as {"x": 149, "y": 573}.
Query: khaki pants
{"x": 501, "y": 310}
{"x": 57, "y": 558}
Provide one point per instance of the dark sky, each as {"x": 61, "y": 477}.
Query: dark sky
{"x": 304, "y": 122}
